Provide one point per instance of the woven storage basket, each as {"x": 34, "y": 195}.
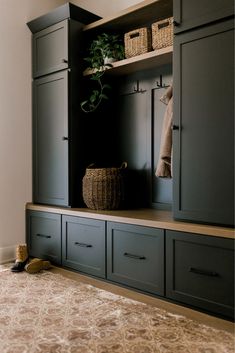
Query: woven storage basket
{"x": 103, "y": 188}
{"x": 137, "y": 42}
{"x": 162, "y": 33}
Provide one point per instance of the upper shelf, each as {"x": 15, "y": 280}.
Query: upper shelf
{"x": 147, "y": 11}
{"x": 140, "y": 62}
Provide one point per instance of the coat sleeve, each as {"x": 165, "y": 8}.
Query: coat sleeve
{"x": 164, "y": 163}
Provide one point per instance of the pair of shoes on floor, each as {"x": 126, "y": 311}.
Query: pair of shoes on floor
{"x": 22, "y": 262}
{"x": 36, "y": 265}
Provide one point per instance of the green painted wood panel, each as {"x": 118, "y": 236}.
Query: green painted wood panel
{"x": 203, "y": 152}
{"x": 50, "y": 145}
{"x": 193, "y": 13}
{"x": 50, "y": 49}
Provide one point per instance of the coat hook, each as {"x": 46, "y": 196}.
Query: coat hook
{"x": 160, "y": 84}
{"x": 137, "y": 89}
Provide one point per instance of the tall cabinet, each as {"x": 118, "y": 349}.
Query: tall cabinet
{"x": 58, "y": 153}
{"x": 203, "y": 67}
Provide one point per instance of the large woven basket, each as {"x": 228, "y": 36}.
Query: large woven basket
{"x": 103, "y": 188}
{"x": 162, "y": 33}
{"x": 137, "y": 42}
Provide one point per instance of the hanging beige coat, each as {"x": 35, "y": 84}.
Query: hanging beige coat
{"x": 164, "y": 164}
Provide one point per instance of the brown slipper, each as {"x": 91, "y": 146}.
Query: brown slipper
{"x": 36, "y": 265}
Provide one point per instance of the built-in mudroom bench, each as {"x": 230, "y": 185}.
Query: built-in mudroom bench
{"x": 172, "y": 237}
{"x": 145, "y": 249}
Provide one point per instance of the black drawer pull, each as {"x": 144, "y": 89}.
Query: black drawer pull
{"x": 175, "y": 127}
{"x": 83, "y": 245}
{"x": 203, "y": 272}
{"x": 134, "y": 256}
{"x": 43, "y": 236}
{"x": 64, "y": 61}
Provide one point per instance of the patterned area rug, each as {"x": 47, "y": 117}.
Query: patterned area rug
{"x": 48, "y": 313}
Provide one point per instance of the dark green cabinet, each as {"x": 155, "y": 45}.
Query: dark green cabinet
{"x": 193, "y": 13}
{"x": 135, "y": 256}
{"x": 58, "y": 130}
{"x": 192, "y": 269}
{"x": 43, "y": 235}
{"x": 83, "y": 245}
{"x": 50, "y": 49}
{"x": 203, "y": 141}
{"x": 50, "y": 136}
{"x": 200, "y": 271}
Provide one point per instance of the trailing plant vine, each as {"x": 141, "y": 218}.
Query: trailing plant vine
{"x": 104, "y": 46}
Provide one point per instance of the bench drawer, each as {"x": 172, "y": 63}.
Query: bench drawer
{"x": 44, "y": 235}
{"x": 200, "y": 271}
{"x": 136, "y": 256}
{"x": 84, "y": 245}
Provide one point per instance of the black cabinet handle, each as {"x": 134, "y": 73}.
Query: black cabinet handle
{"x": 132, "y": 256}
{"x": 64, "y": 61}
{"x": 83, "y": 245}
{"x": 43, "y": 236}
{"x": 176, "y": 23}
{"x": 199, "y": 271}
{"x": 175, "y": 127}
{"x": 65, "y": 138}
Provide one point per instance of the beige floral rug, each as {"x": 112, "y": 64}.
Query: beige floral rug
{"x": 48, "y": 313}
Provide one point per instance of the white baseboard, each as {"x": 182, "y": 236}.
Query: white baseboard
{"x": 7, "y": 254}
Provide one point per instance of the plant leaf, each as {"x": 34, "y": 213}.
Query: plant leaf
{"x": 103, "y": 96}
{"x": 83, "y": 103}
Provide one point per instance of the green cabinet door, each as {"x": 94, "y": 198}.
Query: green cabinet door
{"x": 203, "y": 141}
{"x": 50, "y": 139}
{"x": 50, "y": 49}
{"x": 193, "y": 13}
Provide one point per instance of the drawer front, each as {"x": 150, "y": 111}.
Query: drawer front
{"x": 44, "y": 235}
{"x": 200, "y": 271}
{"x": 50, "y": 49}
{"x": 84, "y": 245}
{"x": 135, "y": 256}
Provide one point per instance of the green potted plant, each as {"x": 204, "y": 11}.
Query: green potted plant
{"x": 104, "y": 50}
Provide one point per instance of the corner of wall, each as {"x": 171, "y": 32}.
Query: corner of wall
{"x": 7, "y": 254}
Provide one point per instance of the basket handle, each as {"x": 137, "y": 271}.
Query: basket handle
{"x": 90, "y": 165}
{"x": 164, "y": 24}
{"x": 123, "y": 165}
{"x": 134, "y": 34}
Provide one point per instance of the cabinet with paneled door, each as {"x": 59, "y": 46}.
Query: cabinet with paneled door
{"x": 190, "y": 14}
{"x": 203, "y": 138}
{"x": 58, "y": 130}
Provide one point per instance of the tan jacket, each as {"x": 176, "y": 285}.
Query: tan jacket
{"x": 164, "y": 164}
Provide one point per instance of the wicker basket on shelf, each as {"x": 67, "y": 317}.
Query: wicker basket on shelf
{"x": 162, "y": 33}
{"x": 103, "y": 188}
{"x": 137, "y": 42}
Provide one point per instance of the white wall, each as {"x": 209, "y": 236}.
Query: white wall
{"x": 15, "y": 117}
{"x": 15, "y": 109}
